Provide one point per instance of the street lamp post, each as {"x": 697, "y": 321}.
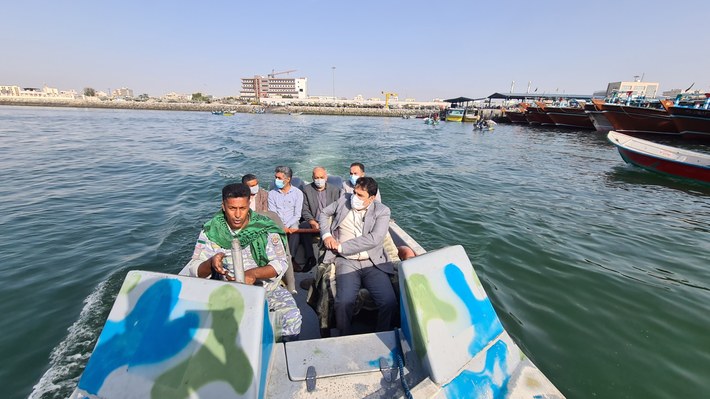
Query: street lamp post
{"x": 333, "y": 83}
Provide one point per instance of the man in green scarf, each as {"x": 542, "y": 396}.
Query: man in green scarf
{"x": 263, "y": 254}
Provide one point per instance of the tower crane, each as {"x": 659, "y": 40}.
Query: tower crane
{"x": 387, "y": 98}
{"x": 272, "y": 74}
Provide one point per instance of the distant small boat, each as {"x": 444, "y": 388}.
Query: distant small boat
{"x": 471, "y": 116}
{"x": 662, "y": 158}
{"x": 431, "y": 121}
{"x": 295, "y": 113}
{"x": 228, "y": 113}
{"x": 217, "y": 112}
{"x": 455, "y": 115}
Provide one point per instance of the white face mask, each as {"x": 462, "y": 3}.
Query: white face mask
{"x": 320, "y": 183}
{"x": 356, "y": 203}
{"x": 254, "y": 189}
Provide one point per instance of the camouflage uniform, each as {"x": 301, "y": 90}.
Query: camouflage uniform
{"x": 283, "y": 310}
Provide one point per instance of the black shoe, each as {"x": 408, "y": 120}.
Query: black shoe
{"x": 309, "y": 264}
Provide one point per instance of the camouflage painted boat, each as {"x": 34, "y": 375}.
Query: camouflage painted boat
{"x": 171, "y": 336}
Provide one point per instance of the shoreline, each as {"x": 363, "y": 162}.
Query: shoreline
{"x": 204, "y": 107}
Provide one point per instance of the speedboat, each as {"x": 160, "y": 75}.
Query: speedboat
{"x": 662, "y": 158}
{"x": 175, "y": 336}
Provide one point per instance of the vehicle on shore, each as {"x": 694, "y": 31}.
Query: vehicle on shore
{"x": 177, "y": 336}
{"x": 661, "y": 158}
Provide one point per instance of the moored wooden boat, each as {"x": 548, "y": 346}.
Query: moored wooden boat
{"x": 632, "y": 119}
{"x": 662, "y": 158}
{"x": 517, "y": 115}
{"x": 538, "y": 116}
{"x": 573, "y": 117}
{"x": 176, "y": 336}
{"x": 692, "y": 123}
{"x": 600, "y": 122}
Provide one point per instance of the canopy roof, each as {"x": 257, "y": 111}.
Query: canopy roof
{"x": 522, "y": 96}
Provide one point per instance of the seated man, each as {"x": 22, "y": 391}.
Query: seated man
{"x": 357, "y": 170}
{"x": 263, "y": 254}
{"x": 354, "y": 240}
{"x": 259, "y": 200}
{"x": 287, "y": 202}
{"x": 316, "y": 196}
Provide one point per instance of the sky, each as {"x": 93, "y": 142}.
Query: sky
{"x": 417, "y": 49}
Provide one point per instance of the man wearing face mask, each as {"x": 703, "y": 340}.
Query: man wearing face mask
{"x": 259, "y": 200}
{"x": 357, "y": 170}
{"x": 354, "y": 241}
{"x": 316, "y": 196}
{"x": 287, "y": 202}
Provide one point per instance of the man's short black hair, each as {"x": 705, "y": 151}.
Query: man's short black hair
{"x": 248, "y": 177}
{"x": 359, "y": 165}
{"x": 368, "y": 184}
{"x": 235, "y": 190}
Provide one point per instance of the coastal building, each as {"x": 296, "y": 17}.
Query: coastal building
{"x": 176, "y": 97}
{"x": 45, "y": 92}
{"x": 636, "y": 88}
{"x": 13, "y": 91}
{"x": 123, "y": 92}
{"x": 273, "y": 87}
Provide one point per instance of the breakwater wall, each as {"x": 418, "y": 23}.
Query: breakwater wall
{"x": 238, "y": 108}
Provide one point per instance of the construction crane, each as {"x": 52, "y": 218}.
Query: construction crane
{"x": 387, "y": 98}
{"x": 272, "y": 74}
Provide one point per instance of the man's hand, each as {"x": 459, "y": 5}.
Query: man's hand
{"x": 217, "y": 266}
{"x": 314, "y": 224}
{"x": 289, "y": 230}
{"x": 331, "y": 243}
{"x": 249, "y": 278}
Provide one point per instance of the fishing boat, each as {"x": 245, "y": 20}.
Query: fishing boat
{"x": 517, "y": 115}
{"x": 431, "y": 121}
{"x": 600, "y": 122}
{"x": 632, "y": 119}
{"x": 538, "y": 116}
{"x": 569, "y": 116}
{"x": 692, "y": 122}
{"x": 174, "y": 336}
{"x": 662, "y": 158}
{"x": 217, "y": 112}
{"x": 455, "y": 114}
{"x": 471, "y": 115}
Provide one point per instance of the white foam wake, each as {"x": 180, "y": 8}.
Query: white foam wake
{"x": 68, "y": 359}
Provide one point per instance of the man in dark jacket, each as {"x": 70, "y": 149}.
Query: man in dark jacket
{"x": 316, "y": 196}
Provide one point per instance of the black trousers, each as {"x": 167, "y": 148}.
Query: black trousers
{"x": 350, "y": 275}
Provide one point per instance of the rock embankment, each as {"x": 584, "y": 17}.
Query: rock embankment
{"x": 170, "y": 106}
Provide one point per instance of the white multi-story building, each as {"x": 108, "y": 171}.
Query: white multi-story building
{"x": 273, "y": 87}
{"x": 635, "y": 88}
{"x": 122, "y": 92}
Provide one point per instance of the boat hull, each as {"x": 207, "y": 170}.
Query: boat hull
{"x": 569, "y": 117}
{"x": 516, "y": 117}
{"x": 692, "y": 123}
{"x": 661, "y": 158}
{"x": 537, "y": 116}
{"x": 455, "y": 115}
{"x": 164, "y": 331}
{"x": 629, "y": 119}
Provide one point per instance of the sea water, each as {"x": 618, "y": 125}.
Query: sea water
{"x": 598, "y": 269}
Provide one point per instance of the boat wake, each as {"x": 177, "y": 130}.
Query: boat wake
{"x": 68, "y": 359}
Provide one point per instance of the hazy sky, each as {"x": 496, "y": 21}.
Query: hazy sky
{"x": 419, "y": 49}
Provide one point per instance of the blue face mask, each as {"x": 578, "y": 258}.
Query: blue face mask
{"x": 279, "y": 183}
{"x": 353, "y": 179}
